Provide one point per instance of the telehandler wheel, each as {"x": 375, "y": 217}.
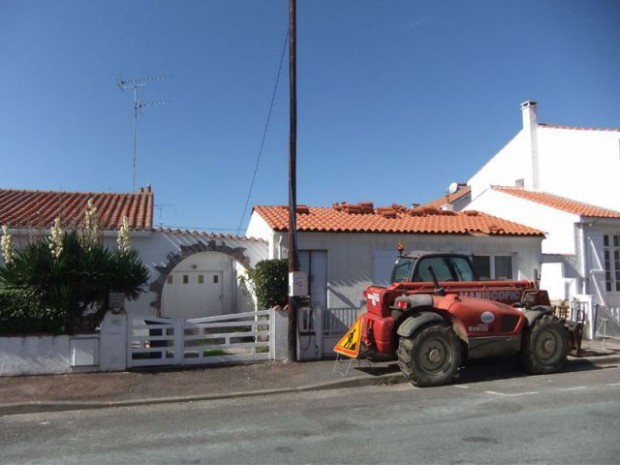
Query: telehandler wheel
{"x": 545, "y": 345}
{"x": 431, "y": 357}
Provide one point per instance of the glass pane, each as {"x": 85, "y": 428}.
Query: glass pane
{"x": 402, "y": 270}
{"x": 482, "y": 267}
{"x": 215, "y": 279}
{"x": 463, "y": 269}
{"x": 606, "y": 241}
{"x": 185, "y": 279}
{"x": 503, "y": 267}
{"x": 440, "y": 268}
{"x": 616, "y": 241}
{"x": 201, "y": 279}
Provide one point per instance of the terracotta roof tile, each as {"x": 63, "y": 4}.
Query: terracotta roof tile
{"x": 559, "y": 203}
{"x": 394, "y": 219}
{"x": 448, "y": 199}
{"x": 39, "y": 209}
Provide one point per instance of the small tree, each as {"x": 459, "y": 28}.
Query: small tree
{"x": 269, "y": 280}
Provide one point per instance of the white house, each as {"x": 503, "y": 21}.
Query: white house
{"x": 346, "y": 247}
{"x": 581, "y": 253}
{"x": 573, "y": 162}
{"x": 192, "y": 274}
{"x": 561, "y": 180}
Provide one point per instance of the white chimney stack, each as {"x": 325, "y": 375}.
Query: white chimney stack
{"x": 530, "y": 124}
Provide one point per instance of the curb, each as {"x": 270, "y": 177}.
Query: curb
{"x": 393, "y": 378}
{"x": 63, "y": 406}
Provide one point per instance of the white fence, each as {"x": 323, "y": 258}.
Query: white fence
{"x": 607, "y": 322}
{"x": 219, "y": 339}
{"x": 321, "y": 329}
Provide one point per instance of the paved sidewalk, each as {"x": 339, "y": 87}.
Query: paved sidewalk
{"x": 22, "y": 394}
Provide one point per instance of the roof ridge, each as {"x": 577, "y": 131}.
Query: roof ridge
{"x": 578, "y": 128}
{"x": 538, "y": 197}
{"x": 389, "y": 220}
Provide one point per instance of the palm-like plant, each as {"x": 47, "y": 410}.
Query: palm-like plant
{"x": 77, "y": 281}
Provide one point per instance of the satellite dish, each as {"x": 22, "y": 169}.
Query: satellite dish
{"x": 452, "y": 188}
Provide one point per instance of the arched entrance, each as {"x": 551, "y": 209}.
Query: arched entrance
{"x": 202, "y": 281}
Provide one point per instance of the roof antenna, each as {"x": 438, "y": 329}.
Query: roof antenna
{"x": 138, "y": 105}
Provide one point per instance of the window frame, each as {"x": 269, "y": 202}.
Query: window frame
{"x": 611, "y": 262}
{"x": 492, "y": 265}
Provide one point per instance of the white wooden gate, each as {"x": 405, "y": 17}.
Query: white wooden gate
{"x": 237, "y": 337}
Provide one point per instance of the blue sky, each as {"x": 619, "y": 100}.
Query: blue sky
{"x": 396, "y": 99}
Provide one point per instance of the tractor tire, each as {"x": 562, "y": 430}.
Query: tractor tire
{"x": 431, "y": 357}
{"x": 545, "y": 345}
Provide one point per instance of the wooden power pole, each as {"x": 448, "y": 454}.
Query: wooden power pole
{"x": 293, "y": 263}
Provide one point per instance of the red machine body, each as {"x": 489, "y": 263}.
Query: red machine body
{"x": 433, "y": 324}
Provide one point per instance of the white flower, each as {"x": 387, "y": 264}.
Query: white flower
{"x": 56, "y": 239}
{"x": 123, "y": 240}
{"x": 90, "y": 227}
{"x": 6, "y": 245}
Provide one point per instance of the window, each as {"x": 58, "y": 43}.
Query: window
{"x": 185, "y": 279}
{"x": 170, "y": 279}
{"x": 201, "y": 279}
{"x": 445, "y": 269}
{"x": 612, "y": 262}
{"x": 493, "y": 267}
{"x": 482, "y": 265}
{"x": 402, "y": 270}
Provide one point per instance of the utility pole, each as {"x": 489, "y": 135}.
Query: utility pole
{"x": 293, "y": 263}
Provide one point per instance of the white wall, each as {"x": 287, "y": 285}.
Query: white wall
{"x": 351, "y": 267}
{"x": 258, "y": 228}
{"x": 558, "y": 226}
{"x": 35, "y": 355}
{"x": 580, "y": 164}
{"x": 179, "y": 304}
{"x": 508, "y": 165}
{"x": 156, "y": 248}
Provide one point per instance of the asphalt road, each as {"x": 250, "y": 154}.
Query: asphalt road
{"x": 565, "y": 418}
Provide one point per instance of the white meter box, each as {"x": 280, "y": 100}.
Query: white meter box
{"x": 297, "y": 284}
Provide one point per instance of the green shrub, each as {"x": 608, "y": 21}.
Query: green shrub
{"x": 270, "y": 281}
{"x": 20, "y": 313}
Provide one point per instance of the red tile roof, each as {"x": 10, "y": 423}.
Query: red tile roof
{"x": 559, "y": 203}
{"x": 364, "y": 218}
{"x": 39, "y": 209}
{"x": 448, "y": 199}
{"x": 577, "y": 128}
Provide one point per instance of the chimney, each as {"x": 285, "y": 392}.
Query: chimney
{"x": 529, "y": 111}
{"x": 529, "y": 114}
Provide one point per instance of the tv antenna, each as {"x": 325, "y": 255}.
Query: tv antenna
{"x": 138, "y": 105}
{"x": 160, "y": 207}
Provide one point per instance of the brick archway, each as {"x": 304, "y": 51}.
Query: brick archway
{"x": 157, "y": 286}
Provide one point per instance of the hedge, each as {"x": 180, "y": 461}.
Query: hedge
{"x": 21, "y": 314}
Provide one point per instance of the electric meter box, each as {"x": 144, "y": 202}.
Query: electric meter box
{"x": 297, "y": 284}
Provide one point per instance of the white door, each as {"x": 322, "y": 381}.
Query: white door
{"x": 193, "y": 294}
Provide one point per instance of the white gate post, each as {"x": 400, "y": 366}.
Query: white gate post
{"x": 318, "y": 329}
{"x": 179, "y": 341}
{"x": 113, "y": 342}
{"x": 278, "y": 334}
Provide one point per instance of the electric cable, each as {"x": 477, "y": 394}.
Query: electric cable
{"x": 262, "y": 144}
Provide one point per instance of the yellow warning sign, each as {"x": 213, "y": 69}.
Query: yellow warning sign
{"x": 350, "y": 344}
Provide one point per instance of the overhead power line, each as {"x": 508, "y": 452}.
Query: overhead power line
{"x": 262, "y": 144}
